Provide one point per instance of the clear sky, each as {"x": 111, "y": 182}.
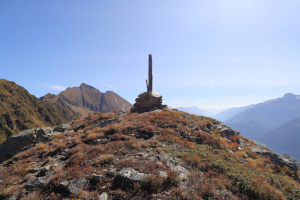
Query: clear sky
{"x": 206, "y": 53}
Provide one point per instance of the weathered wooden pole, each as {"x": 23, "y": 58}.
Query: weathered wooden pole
{"x": 150, "y": 76}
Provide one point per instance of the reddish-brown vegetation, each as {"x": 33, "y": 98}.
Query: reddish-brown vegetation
{"x": 219, "y": 168}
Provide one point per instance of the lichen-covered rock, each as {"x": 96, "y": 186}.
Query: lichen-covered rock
{"x": 127, "y": 176}
{"x": 24, "y": 140}
{"x": 78, "y": 184}
{"x": 132, "y": 174}
{"x": 172, "y": 162}
{"x": 182, "y": 172}
{"x": 243, "y": 143}
{"x": 163, "y": 174}
{"x": 38, "y": 183}
{"x": 226, "y": 130}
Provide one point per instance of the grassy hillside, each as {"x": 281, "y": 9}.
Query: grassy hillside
{"x": 157, "y": 155}
{"x": 20, "y": 110}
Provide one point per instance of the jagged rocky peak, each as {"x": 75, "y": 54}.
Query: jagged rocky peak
{"x": 84, "y": 85}
{"x": 150, "y": 100}
{"x": 47, "y": 96}
{"x": 86, "y": 99}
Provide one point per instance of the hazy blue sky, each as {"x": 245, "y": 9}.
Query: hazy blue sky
{"x": 206, "y": 53}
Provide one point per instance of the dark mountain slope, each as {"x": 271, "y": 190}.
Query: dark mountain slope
{"x": 285, "y": 138}
{"x": 266, "y": 116}
{"x": 112, "y": 101}
{"x": 20, "y": 110}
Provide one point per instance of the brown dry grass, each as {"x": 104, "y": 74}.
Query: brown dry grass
{"x": 103, "y": 159}
{"x": 214, "y": 172}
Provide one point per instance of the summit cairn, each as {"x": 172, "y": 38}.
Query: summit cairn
{"x": 150, "y": 100}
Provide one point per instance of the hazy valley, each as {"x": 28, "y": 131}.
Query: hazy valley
{"x": 274, "y": 123}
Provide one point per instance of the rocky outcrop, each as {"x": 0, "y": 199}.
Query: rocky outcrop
{"x": 17, "y": 142}
{"x": 127, "y": 176}
{"x": 78, "y": 184}
{"x": 181, "y": 172}
{"x": 25, "y": 140}
{"x": 148, "y": 101}
{"x": 131, "y": 174}
{"x": 38, "y": 183}
{"x": 284, "y": 160}
{"x": 226, "y": 130}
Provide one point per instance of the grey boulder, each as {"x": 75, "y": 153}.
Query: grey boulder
{"x": 127, "y": 176}
{"x": 78, "y": 184}
{"x": 16, "y": 142}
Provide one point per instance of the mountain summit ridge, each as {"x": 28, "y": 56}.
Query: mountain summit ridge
{"x": 86, "y": 99}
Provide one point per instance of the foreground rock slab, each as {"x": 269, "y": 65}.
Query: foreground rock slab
{"x": 18, "y": 141}
{"x": 26, "y": 139}
{"x": 127, "y": 176}
{"x": 78, "y": 184}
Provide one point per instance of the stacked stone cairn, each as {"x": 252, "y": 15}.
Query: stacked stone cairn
{"x": 150, "y": 100}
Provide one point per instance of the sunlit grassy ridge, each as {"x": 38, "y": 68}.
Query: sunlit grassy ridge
{"x": 219, "y": 167}
{"x": 20, "y": 110}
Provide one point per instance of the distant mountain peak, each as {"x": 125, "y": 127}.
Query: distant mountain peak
{"x": 85, "y": 99}
{"x": 290, "y": 96}
{"x": 84, "y": 85}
